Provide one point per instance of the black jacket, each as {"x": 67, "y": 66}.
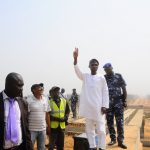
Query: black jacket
{"x": 26, "y": 137}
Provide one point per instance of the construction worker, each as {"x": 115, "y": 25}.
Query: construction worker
{"x": 117, "y": 102}
{"x": 59, "y": 115}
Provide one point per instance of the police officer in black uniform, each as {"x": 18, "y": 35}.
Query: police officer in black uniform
{"x": 117, "y": 103}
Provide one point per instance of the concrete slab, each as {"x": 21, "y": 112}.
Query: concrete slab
{"x": 137, "y": 119}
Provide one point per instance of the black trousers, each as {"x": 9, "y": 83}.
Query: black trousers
{"x": 57, "y": 139}
{"x": 15, "y": 148}
{"x": 116, "y": 111}
{"x": 73, "y": 109}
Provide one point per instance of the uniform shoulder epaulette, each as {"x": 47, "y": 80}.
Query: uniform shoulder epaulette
{"x": 118, "y": 75}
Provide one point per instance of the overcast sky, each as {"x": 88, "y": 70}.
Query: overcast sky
{"x": 37, "y": 39}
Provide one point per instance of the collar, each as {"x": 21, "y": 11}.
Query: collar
{"x": 36, "y": 98}
{"x": 57, "y": 100}
{"x": 110, "y": 75}
{"x": 5, "y": 96}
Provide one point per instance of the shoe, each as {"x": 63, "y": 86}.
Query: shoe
{"x": 92, "y": 148}
{"x": 122, "y": 145}
{"x": 101, "y": 149}
{"x": 112, "y": 142}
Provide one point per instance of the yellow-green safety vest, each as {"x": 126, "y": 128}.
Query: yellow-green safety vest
{"x": 58, "y": 112}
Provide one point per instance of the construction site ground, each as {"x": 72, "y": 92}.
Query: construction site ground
{"x": 133, "y": 120}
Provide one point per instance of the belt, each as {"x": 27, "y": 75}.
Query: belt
{"x": 116, "y": 98}
{"x": 13, "y": 148}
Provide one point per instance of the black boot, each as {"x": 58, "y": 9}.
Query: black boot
{"x": 122, "y": 145}
{"x": 92, "y": 148}
{"x": 112, "y": 142}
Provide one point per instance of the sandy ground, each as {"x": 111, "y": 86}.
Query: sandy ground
{"x": 141, "y": 102}
{"x": 68, "y": 143}
{"x": 69, "y": 139}
{"x": 146, "y": 148}
{"x": 147, "y": 128}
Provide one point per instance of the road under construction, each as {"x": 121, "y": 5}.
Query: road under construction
{"x": 137, "y": 128}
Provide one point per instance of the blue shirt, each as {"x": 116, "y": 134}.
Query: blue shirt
{"x": 115, "y": 84}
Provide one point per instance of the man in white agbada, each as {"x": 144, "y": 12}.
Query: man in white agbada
{"x": 94, "y": 101}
